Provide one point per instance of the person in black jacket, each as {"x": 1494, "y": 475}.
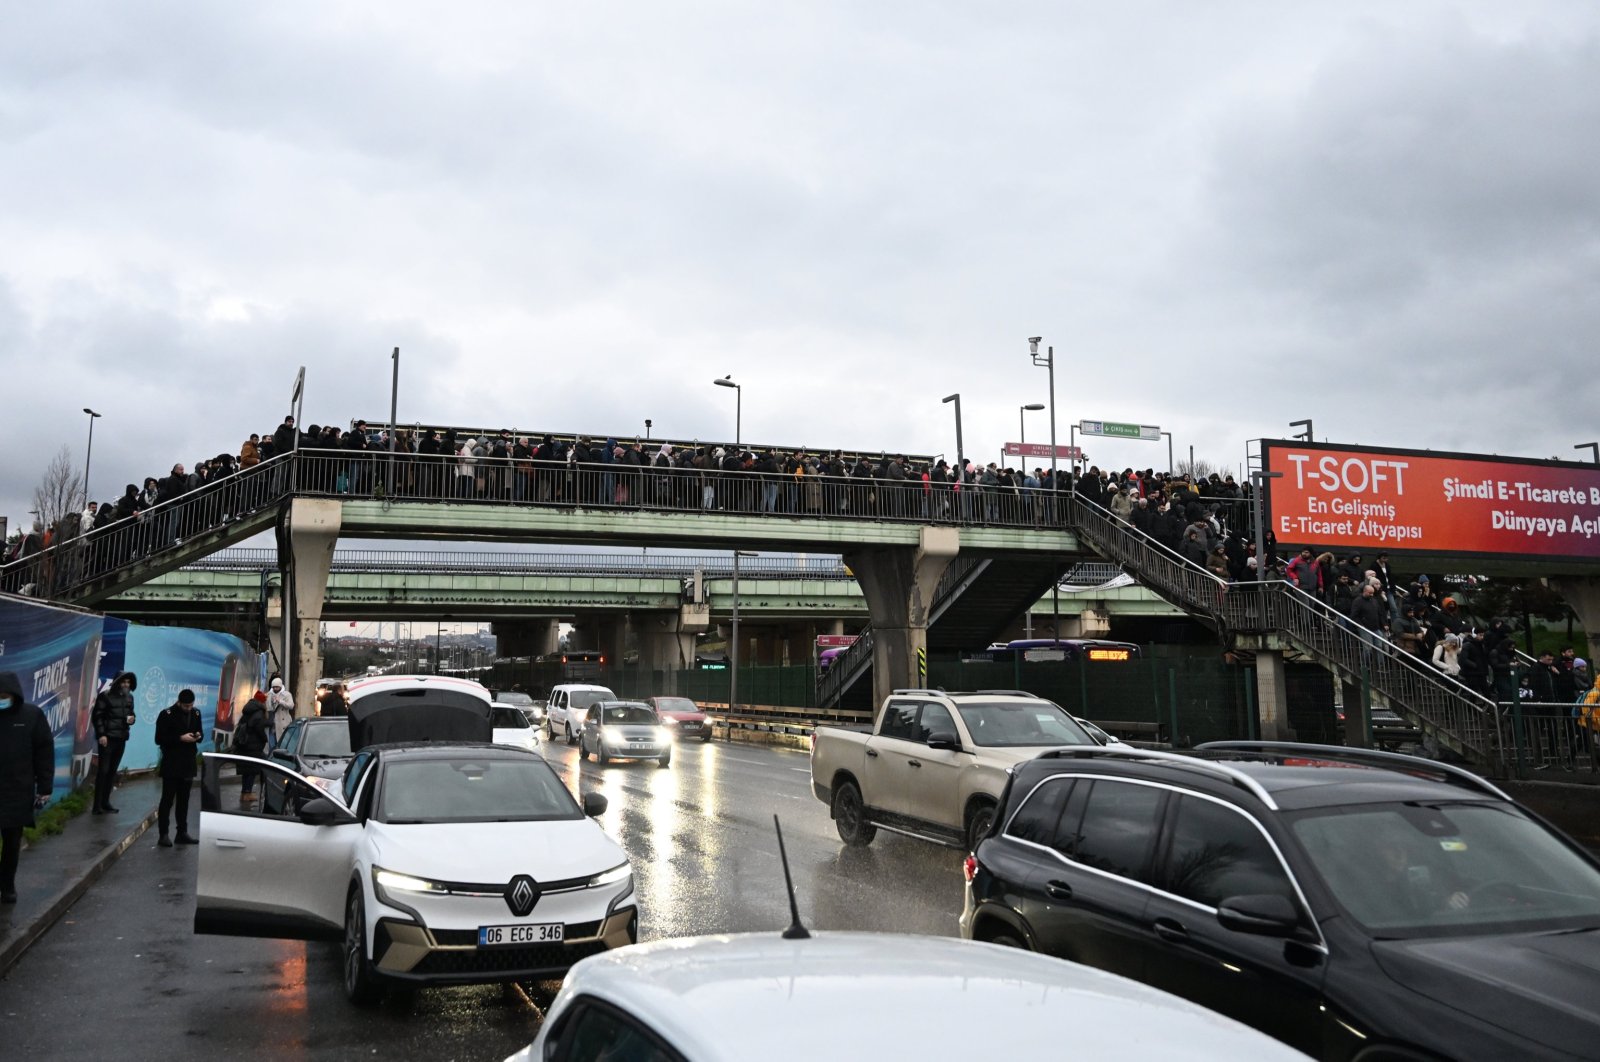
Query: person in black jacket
{"x": 27, "y": 774}
{"x": 112, "y": 717}
{"x": 178, "y": 731}
{"x": 250, "y": 739}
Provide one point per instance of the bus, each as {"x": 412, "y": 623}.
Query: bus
{"x": 1033, "y": 650}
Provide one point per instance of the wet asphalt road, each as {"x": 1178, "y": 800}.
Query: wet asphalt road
{"x": 123, "y": 976}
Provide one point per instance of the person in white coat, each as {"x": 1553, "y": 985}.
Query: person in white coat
{"x": 280, "y": 709}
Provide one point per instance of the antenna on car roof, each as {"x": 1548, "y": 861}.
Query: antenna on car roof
{"x": 796, "y": 931}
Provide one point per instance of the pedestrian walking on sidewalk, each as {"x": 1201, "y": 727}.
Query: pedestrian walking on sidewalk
{"x": 178, "y": 732}
{"x": 27, "y": 774}
{"x": 113, "y": 719}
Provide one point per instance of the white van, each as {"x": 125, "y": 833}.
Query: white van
{"x": 569, "y": 707}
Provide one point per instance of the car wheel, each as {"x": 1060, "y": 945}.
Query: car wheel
{"x": 665, "y": 761}
{"x": 705, "y": 738}
{"x": 361, "y": 985}
{"x": 583, "y": 750}
{"x": 978, "y": 823}
{"x": 850, "y": 817}
{"x": 600, "y": 752}
{"x": 571, "y": 737}
{"x": 1008, "y": 940}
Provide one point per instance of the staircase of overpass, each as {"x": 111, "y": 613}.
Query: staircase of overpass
{"x": 975, "y": 593}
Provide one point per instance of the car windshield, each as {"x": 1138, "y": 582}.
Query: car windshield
{"x": 467, "y": 789}
{"x": 1020, "y": 724}
{"x": 507, "y": 718}
{"x": 589, "y": 698}
{"x": 520, "y": 700}
{"x": 1450, "y": 869}
{"x": 627, "y": 713}
{"x": 326, "y": 741}
{"x": 676, "y": 704}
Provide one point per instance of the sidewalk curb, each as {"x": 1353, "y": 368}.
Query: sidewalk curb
{"x": 71, "y": 893}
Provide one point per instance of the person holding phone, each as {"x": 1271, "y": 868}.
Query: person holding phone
{"x": 27, "y": 775}
{"x": 178, "y": 731}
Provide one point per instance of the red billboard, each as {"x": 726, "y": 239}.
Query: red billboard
{"x": 1367, "y": 500}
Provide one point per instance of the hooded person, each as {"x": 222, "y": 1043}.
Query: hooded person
{"x": 280, "y": 709}
{"x": 27, "y": 775}
{"x": 250, "y": 739}
{"x": 113, "y": 718}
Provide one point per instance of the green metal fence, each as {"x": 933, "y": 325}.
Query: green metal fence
{"x": 1192, "y": 698}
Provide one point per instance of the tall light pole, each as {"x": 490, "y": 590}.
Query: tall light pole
{"x": 738, "y": 407}
{"x": 647, "y": 423}
{"x": 733, "y": 637}
{"x": 961, "y": 453}
{"x": 1049, "y": 362}
{"x": 394, "y": 409}
{"x": 1168, "y": 434}
{"x": 1594, "y": 447}
{"x": 89, "y": 454}
{"x": 1259, "y": 478}
{"x": 1305, "y": 436}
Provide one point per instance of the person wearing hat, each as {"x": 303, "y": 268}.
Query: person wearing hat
{"x": 113, "y": 718}
{"x": 27, "y": 774}
{"x": 178, "y": 732}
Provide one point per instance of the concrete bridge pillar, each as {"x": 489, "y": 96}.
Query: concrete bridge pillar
{"x": 307, "y": 534}
{"x": 898, "y": 584}
{"x": 1272, "y": 696}
{"x": 1582, "y": 592}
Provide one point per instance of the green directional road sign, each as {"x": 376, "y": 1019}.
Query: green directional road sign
{"x": 1113, "y": 430}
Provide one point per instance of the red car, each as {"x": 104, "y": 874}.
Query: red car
{"x": 682, "y": 717}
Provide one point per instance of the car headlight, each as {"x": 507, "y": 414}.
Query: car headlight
{"x": 385, "y": 881}
{"x": 612, "y": 876}
{"x": 669, "y": 721}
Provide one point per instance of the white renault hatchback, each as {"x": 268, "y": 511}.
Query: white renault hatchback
{"x": 434, "y": 862}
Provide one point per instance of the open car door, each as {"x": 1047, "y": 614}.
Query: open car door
{"x": 264, "y": 871}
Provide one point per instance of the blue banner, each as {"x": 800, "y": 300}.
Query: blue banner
{"x": 62, "y": 659}
{"x": 220, "y": 669}
{"x": 55, "y": 654}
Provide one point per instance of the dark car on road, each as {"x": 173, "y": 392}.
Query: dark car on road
{"x": 1356, "y": 905}
{"x": 315, "y": 748}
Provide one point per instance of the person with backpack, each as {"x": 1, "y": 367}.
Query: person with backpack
{"x": 250, "y": 739}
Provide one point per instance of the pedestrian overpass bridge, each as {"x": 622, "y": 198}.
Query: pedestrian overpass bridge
{"x": 953, "y": 565}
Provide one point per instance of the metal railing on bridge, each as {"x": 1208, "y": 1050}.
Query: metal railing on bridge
{"x": 161, "y": 537}
{"x": 1457, "y": 715}
{"x": 446, "y": 561}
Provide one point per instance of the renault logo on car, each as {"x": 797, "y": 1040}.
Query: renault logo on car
{"x": 521, "y": 895}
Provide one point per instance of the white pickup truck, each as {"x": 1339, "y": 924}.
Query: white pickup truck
{"x": 935, "y": 763}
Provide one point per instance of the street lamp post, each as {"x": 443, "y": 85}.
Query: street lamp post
{"x": 647, "y": 423}
{"x": 961, "y": 453}
{"x": 738, "y": 406}
{"x": 1049, "y": 362}
{"x": 1593, "y": 447}
{"x": 1168, "y": 434}
{"x": 394, "y": 409}
{"x": 1306, "y": 436}
{"x": 1259, "y": 478}
{"x": 88, "y": 455}
{"x": 733, "y": 638}
{"x": 1022, "y": 429}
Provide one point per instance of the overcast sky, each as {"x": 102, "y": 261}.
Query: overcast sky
{"x": 1224, "y": 217}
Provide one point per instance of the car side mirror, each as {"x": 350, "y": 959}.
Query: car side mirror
{"x": 324, "y": 812}
{"x": 943, "y": 739}
{"x": 1264, "y": 915}
{"x": 595, "y": 804}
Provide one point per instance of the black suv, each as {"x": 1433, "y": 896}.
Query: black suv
{"x": 1354, "y": 904}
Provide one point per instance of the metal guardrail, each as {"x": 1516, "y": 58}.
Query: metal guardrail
{"x": 1458, "y": 715}
{"x": 667, "y": 564}
{"x": 64, "y": 568}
